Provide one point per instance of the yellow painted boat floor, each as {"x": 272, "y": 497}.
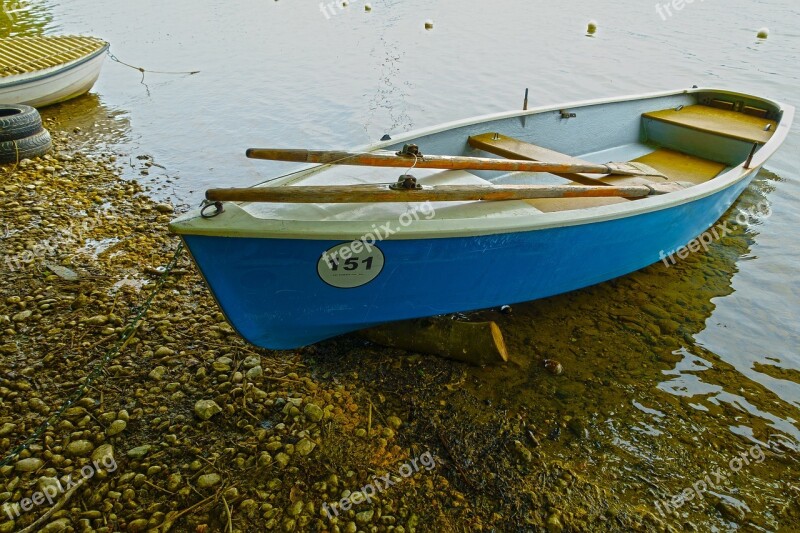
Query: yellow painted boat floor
{"x": 718, "y": 121}
{"x": 20, "y": 55}
{"x": 676, "y": 166}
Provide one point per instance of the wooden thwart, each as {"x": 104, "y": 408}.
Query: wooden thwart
{"x": 504, "y": 146}
{"x": 390, "y": 159}
{"x": 727, "y": 123}
{"x": 334, "y": 194}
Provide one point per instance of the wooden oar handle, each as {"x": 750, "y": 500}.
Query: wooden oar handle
{"x": 297, "y": 156}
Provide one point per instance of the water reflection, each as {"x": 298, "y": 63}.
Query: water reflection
{"x": 656, "y": 405}
{"x": 97, "y": 127}
{"x": 24, "y": 18}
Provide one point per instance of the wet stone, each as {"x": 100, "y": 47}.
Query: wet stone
{"x": 80, "y": 448}
{"x": 255, "y": 373}
{"x": 313, "y": 412}
{"x": 304, "y": 447}
{"x": 207, "y": 481}
{"x": 139, "y": 451}
{"x": 28, "y": 465}
{"x": 116, "y": 427}
{"x": 205, "y": 409}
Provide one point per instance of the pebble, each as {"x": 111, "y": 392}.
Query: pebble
{"x": 174, "y": 481}
{"x": 554, "y": 523}
{"x": 365, "y": 517}
{"x": 140, "y": 524}
{"x": 97, "y": 320}
{"x": 296, "y": 508}
{"x": 255, "y": 373}
{"x": 158, "y": 373}
{"x": 103, "y": 451}
{"x": 139, "y": 452}
{"x": 163, "y": 351}
{"x": 22, "y": 316}
{"x": 116, "y": 427}
{"x": 80, "y": 448}
{"x": 522, "y": 452}
{"x": 304, "y": 447}
{"x": 164, "y": 209}
{"x": 45, "y": 483}
{"x": 205, "y": 409}
{"x": 251, "y": 360}
{"x": 207, "y": 481}
{"x": 57, "y": 526}
{"x": 553, "y": 366}
{"x": 313, "y": 412}
{"x": 28, "y": 465}
{"x": 282, "y": 459}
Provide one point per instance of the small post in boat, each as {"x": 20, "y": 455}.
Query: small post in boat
{"x": 525, "y": 102}
{"x": 750, "y": 157}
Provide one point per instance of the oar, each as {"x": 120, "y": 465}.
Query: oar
{"x": 390, "y": 159}
{"x": 335, "y": 194}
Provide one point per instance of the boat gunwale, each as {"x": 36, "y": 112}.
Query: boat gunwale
{"x": 49, "y": 72}
{"x": 245, "y": 225}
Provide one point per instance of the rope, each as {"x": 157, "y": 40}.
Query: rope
{"x": 143, "y": 70}
{"x": 123, "y": 341}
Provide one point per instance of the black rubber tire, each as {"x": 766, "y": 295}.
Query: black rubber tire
{"x": 32, "y": 146}
{"x": 18, "y": 121}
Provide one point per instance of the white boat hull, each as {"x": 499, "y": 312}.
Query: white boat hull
{"x": 55, "y": 84}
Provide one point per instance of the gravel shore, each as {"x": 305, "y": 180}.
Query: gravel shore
{"x": 188, "y": 428}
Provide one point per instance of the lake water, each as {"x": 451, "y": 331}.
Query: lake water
{"x": 667, "y": 403}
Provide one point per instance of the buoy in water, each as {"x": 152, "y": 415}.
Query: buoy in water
{"x": 763, "y": 33}
{"x": 429, "y": 24}
{"x": 592, "y": 27}
{"x": 367, "y": 7}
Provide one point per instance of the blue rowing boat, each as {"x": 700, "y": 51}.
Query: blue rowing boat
{"x": 291, "y": 273}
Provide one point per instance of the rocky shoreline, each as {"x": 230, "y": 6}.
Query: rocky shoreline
{"x": 188, "y": 428}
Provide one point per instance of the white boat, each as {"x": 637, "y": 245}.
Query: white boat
{"x": 39, "y": 71}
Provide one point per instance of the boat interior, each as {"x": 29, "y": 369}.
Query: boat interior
{"x": 24, "y": 55}
{"x": 685, "y": 138}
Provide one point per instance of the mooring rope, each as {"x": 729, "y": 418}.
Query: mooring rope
{"x": 122, "y": 342}
{"x": 143, "y": 70}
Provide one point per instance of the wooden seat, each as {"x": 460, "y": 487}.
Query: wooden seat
{"x": 511, "y": 148}
{"x": 722, "y": 122}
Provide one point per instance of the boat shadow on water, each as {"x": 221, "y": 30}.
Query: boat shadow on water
{"x": 641, "y": 411}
